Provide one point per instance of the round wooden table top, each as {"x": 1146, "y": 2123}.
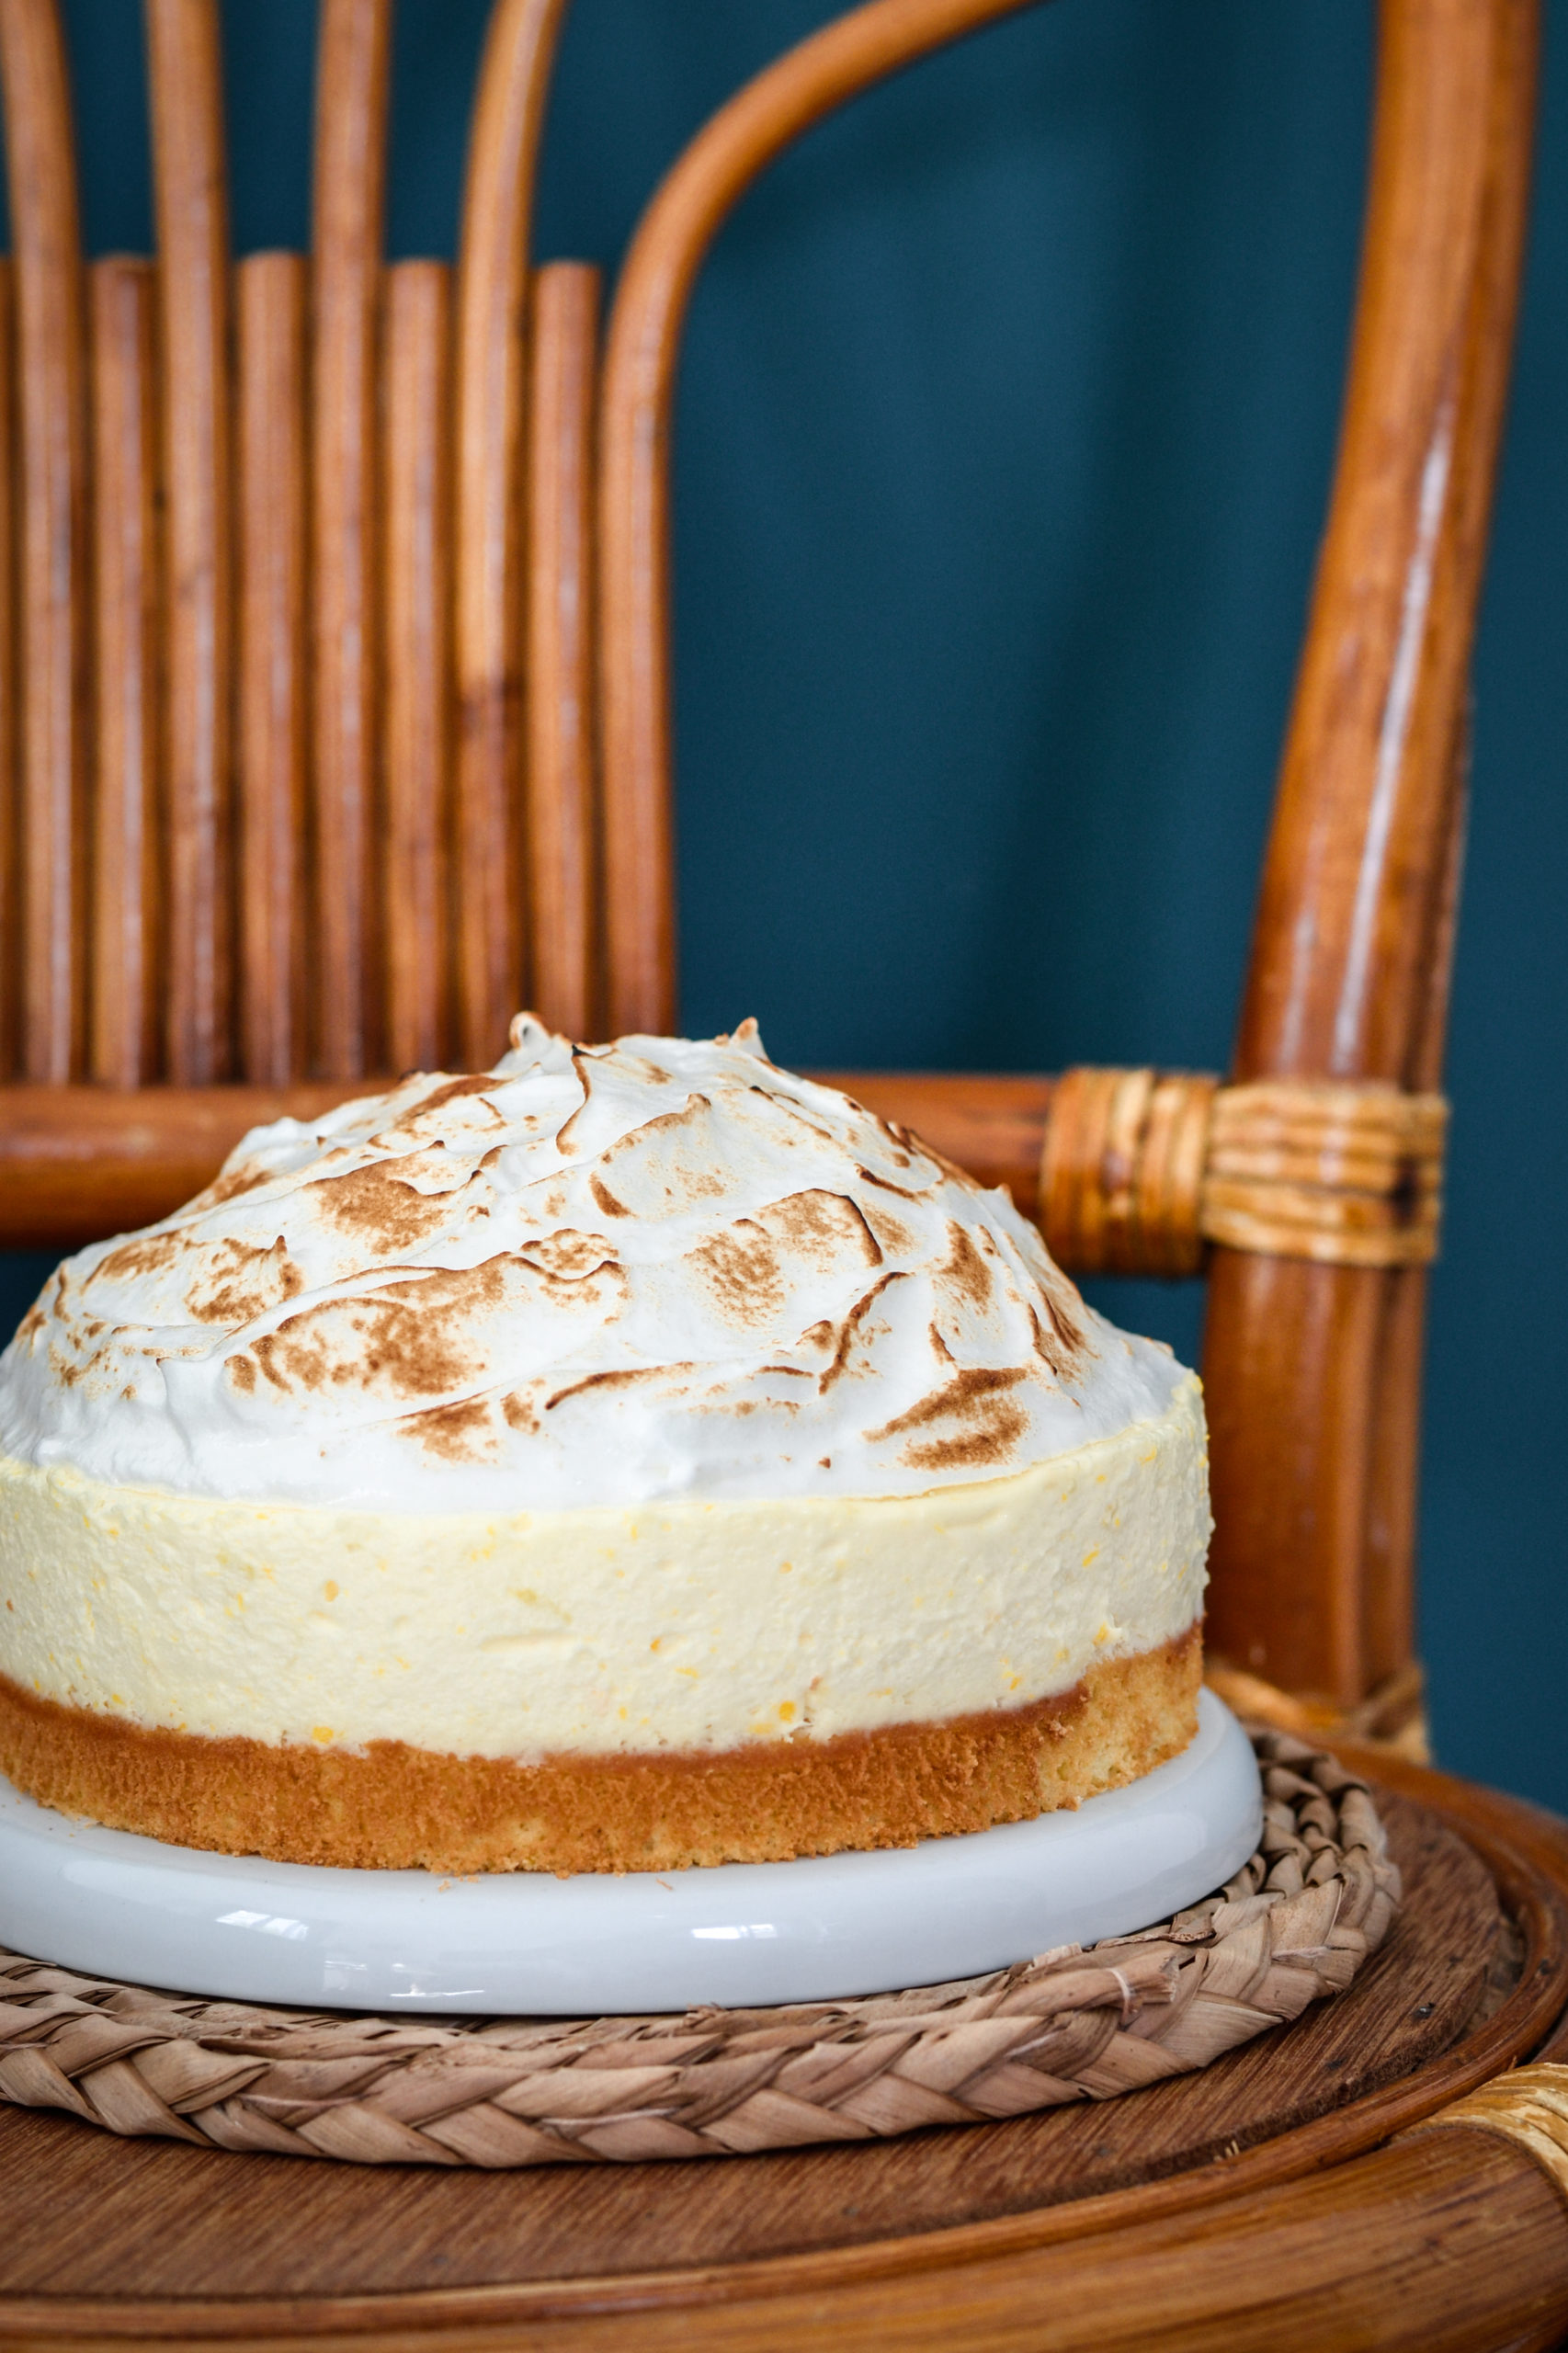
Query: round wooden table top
{"x": 1268, "y": 2199}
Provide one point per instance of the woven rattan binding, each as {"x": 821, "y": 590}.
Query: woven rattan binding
{"x": 1142, "y": 1169}
{"x": 1527, "y": 2106}
{"x": 1293, "y": 1925}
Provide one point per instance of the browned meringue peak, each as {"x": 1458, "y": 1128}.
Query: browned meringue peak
{"x": 592, "y": 1275}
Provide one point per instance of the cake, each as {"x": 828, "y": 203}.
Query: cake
{"x": 631, "y": 1457}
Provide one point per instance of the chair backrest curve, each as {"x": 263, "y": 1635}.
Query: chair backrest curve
{"x": 833, "y": 65}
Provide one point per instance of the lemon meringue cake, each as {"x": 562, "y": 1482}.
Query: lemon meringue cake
{"x": 631, "y": 1457}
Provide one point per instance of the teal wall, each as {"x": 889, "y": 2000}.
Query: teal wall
{"x": 1004, "y": 434}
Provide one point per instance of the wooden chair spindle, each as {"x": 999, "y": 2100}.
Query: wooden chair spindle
{"x": 273, "y": 659}
{"x": 350, "y": 176}
{"x": 127, "y": 970}
{"x": 562, "y": 830}
{"x": 492, "y": 299}
{"x": 10, "y": 731}
{"x": 416, "y": 504}
{"x": 54, "y": 616}
{"x": 194, "y": 402}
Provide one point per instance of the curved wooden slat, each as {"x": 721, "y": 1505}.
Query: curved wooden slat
{"x": 10, "y": 795}
{"x": 416, "y": 554}
{"x": 1351, "y": 907}
{"x": 491, "y": 304}
{"x": 350, "y": 176}
{"x": 193, "y": 257}
{"x": 126, "y": 996}
{"x": 273, "y": 659}
{"x": 562, "y": 813}
{"x": 675, "y": 231}
{"x": 54, "y": 615}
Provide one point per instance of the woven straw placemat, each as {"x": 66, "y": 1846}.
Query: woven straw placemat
{"x": 1294, "y": 1923}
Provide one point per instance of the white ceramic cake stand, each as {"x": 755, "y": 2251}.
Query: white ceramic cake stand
{"x": 741, "y": 1935}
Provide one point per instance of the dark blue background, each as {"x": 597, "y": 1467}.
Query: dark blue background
{"x": 1006, "y": 428}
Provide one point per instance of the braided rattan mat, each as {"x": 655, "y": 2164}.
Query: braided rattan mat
{"x": 1294, "y": 1923}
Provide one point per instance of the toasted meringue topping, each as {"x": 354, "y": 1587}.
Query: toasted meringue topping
{"x": 594, "y": 1275}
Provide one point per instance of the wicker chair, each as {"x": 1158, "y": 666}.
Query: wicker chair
{"x": 333, "y": 663}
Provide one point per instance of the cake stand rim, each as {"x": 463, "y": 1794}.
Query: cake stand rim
{"x": 1527, "y": 1850}
{"x": 89, "y": 1899}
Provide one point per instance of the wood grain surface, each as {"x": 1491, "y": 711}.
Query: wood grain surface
{"x": 162, "y": 2240}
{"x": 126, "y": 878}
{"x": 1442, "y": 2245}
{"x": 1448, "y": 2244}
{"x": 52, "y": 510}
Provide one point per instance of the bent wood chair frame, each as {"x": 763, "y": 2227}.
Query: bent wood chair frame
{"x": 334, "y": 706}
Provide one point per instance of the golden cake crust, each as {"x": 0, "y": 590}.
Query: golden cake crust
{"x": 392, "y": 1807}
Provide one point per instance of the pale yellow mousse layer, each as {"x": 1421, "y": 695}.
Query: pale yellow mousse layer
{"x": 676, "y": 1626}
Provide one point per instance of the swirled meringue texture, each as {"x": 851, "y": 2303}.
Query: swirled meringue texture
{"x": 594, "y": 1275}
